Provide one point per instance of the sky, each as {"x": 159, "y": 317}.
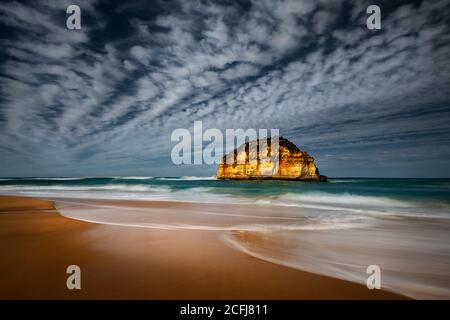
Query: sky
{"x": 105, "y": 99}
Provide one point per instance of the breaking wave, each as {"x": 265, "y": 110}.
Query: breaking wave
{"x": 186, "y": 178}
{"x": 342, "y": 199}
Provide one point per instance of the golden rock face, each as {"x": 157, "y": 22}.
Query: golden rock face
{"x": 253, "y": 160}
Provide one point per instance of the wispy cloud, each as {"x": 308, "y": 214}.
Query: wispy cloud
{"x": 105, "y": 99}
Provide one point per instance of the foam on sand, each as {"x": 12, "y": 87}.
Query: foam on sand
{"x": 339, "y": 245}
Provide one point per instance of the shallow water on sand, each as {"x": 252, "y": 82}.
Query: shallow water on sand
{"x": 413, "y": 256}
{"x": 412, "y": 252}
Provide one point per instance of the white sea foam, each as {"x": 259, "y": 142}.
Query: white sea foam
{"x": 59, "y": 179}
{"x": 78, "y": 178}
{"x": 311, "y": 202}
{"x": 133, "y": 178}
{"x": 342, "y": 199}
{"x": 114, "y": 187}
{"x": 226, "y": 218}
{"x": 332, "y": 180}
{"x": 318, "y": 226}
{"x": 187, "y": 178}
{"x": 43, "y": 178}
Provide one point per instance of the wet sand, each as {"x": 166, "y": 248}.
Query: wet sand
{"x": 37, "y": 244}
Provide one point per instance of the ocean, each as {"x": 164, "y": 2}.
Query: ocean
{"x": 337, "y": 228}
{"x": 434, "y": 193}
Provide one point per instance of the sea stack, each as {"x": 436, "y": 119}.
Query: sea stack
{"x": 294, "y": 164}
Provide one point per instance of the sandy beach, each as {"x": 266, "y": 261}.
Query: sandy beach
{"x": 37, "y": 244}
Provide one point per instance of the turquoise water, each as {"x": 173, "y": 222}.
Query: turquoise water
{"x": 430, "y": 192}
{"x": 338, "y": 198}
{"x": 410, "y": 189}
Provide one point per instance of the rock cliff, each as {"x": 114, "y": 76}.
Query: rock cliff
{"x": 248, "y": 162}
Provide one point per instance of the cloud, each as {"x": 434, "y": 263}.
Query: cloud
{"x": 108, "y": 97}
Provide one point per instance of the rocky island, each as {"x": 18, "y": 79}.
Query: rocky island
{"x": 294, "y": 164}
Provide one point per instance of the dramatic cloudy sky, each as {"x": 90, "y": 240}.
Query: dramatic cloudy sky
{"x": 104, "y": 100}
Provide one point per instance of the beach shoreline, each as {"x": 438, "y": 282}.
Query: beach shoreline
{"x": 37, "y": 244}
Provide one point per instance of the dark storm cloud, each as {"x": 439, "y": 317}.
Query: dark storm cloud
{"x": 105, "y": 99}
